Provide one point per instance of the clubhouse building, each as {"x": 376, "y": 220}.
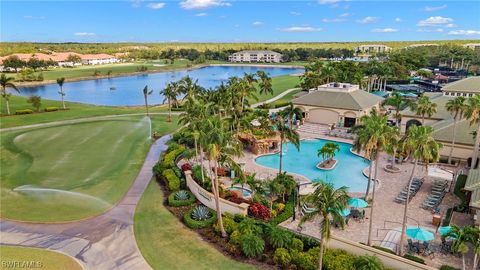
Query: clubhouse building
{"x": 372, "y": 48}
{"x": 256, "y": 56}
{"x": 339, "y": 104}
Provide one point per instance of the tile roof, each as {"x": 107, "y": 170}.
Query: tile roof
{"x": 354, "y": 100}
{"x": 467, "y": 85}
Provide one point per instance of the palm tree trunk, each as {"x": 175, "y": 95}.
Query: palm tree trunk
{"x": 370, "y": 225}
{"x": 405, "y": 210}
{"x": 464, "y": 267}
{"x": 322, "y": 251}
{"x": 453, "y": 141}
{"x": 369, "y": 180}
{"x": 146, "y": 104}
{"x": 217, "y": 202}
{"x": 394, "y": 157}
{"x": 169, "y": 111}
{"x": 281, "y": 156}
{"x": 196, "y": 149}
{"x": 475, "y": 261}
{"x": 8, "y": 107}
{"x": 201, "y": 164}
{"x": 63, "y": 94}
{"x": 475, "y": 147}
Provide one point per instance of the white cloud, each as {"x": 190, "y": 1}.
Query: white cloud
{"x": 435, "y": 21}
{"x": 327, "y": 2}
{"x": 301, "y": 29}
{"x": 343, "y": 15}
{"x": 429, "y": 9}
{"x": 197, "y": 4}
{"x": 203, "y": 14}
{"x": 295, "y": 13}
{"x": 29, "y": 17}
{"x": 398, "y": 19}
{"x": 368, "y": 19}
{"x": 450, "y": 25}
{"x": 136, "y": 3}
{"x": 334, "y": 20}
{"x": 385, "y": 30}
{"x": 84, "y": 34}
{"x": 156, "y": 5}
{"x": 423, "y": 30}
{"x": 257, "y": 23}
{"x": 464, "y": 32}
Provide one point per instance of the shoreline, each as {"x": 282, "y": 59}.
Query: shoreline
{"x": 199, "y": 66}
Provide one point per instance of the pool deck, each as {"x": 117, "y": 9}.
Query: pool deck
{"x": 388, "y": 214}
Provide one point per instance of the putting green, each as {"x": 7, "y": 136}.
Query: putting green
{"x": 33, "y": 258}
{"x": 70, "y": 172}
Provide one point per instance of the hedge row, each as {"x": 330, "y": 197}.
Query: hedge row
{"x": 171, "y": 179}
{"x": 385, "y": 249}
{"x": 196, "y": 224}
{"x": 24, "y": 111}
{"x": 414, "y": 258}
{"x": 176, "y": 203}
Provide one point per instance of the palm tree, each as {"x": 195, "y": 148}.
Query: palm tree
{"x": 328, "y": 73}
{"x": 455, "y": 107}
{"x": 60, "y": 82}
{"x": 285, "y": 133}
{"x": 425, "y": 107}
{"x": 373, "y": 136}
{"x": 7, "y": 82}
{"x": 146, "y": 93}
{"x": 472, "y": 113}
{"x": 394, "y": 143}
{"x": 367, "y": 262}
{"x": 328, "y": 150}
{"x": 265, "y": 83}
{"x": 396, "y": 101}
{"x": 422, "y": 147}
{"x": 460, "y": 245}
{"x": 327, "y": 203}
{"x": 170, "y": 92}
{"x": 291, "y": 112}
{"x": 288, "y": 182}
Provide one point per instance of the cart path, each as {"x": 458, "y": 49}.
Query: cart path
{"x": 284, "y": 93}
{"x": 102, "y": 242}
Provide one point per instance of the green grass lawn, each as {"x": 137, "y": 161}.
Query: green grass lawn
{"x": 72, "y": 171}
{"x": 279, "y": 85}
{"x": 166, "y": 244}
{"x": 46, "y": 259}
{"x": 76, "y": 110}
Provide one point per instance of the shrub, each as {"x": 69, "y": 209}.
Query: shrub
{"x": 448, "y": 267}
{"x": 201, "y": 213}
{"x": 414, "y": 258}
{"x": 171, "y": 179}
{"x": 235, "y": 238}
{"x": 252, "y": 245}
{"x": 36, "y": 102}
{"x": 277, "y": 237}
{"x": 259, "y": 211}
{"x": 24, "y": 111}
{"x": 51, "y": 109}
{"x": 305, "y": 260}
{"x": 249, "y": 226}
{"x": 228, "y": 224}
{"x": 280, "y": 104}
{"x": 170, "y": 157}
{"x": 337, "y": 259}
{"x": 296, "y": 244}
{"x": 197, "y": 224}
{"x": 286, "y": 214}
{"x": 174, "y": 201}
{"x": 279, "y": 207}
{"x": 282, "y": 257}
{"x": 186, "y": 167}
{"x": 459, "y": 185}
{"x": 368, "y": 263}
{"x": 385, "y": 249}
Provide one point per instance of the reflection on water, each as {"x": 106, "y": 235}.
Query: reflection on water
{"x": 128, "y": 90}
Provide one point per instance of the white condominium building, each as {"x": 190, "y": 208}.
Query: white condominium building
{"x": 256, "y": 56}
{"x": 372, "y": 48}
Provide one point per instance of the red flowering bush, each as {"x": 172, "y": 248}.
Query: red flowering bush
{"x": 259, "y": 211}
{"x": 186, "y": 167}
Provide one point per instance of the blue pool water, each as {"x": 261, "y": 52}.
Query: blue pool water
{"x": 128, "y": 89}
{"x": 245, "y": 192}
{"x": 347, "y": 172}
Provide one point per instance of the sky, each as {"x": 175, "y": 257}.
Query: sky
{"x": 238, "y": 21}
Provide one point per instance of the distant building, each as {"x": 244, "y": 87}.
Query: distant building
{"x": 473, "y": 46}
{"x": 341, "y": 104}
{"x": 98, "y": 59}
{"x": 62, "y": 58}
{"x": 256, "y": 56}
{"x": 372, "y": 48}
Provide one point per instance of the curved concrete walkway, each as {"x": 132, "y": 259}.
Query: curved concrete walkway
{"x": 284, "y": 93}
{"x": 103, "y": 242}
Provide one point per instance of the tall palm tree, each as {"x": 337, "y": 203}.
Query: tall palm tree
{"x": 146, "y": 93}
{"x": 393, "y": 145}
{"x": 60, "y": 82}
{"x": 472, "y": 113}
{"x": 455, "y": 107}
{"x": 373, "y": 136}
{"x": 328, "y": 73}
{"x": 291, "y": 112}
{"x": 425, "y": 107}
{"x": 170, "y": 93}
{"x": 7, "y": 82}
{"x": 396, "y": 101}
{"x": 265, "y": 83}
{"x": 422, "y": 147}
{"x": 328, "y": 203}
{"x": 460, "y": 245}
{"x": 285, "y": 133}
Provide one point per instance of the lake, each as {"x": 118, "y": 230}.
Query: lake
{"x": 128, "y": 89}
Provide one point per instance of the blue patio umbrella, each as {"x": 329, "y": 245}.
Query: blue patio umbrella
{"x": 345, "y": 212}
{"x": 444, "y": 230}
{"x": 420, "y": 234}
{"x": 357, "y": 203}
{"x": 410, "y": 95}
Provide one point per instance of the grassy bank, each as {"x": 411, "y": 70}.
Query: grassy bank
{"x": 279, "y": 85}
{"x": 71, "y": 172}
{"x": 44, "y": 259}
{"x": 166, "y": 244}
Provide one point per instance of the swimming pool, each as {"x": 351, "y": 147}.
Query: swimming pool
{"x": 347, "y": 172}
{"x": 245, "y": 192}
